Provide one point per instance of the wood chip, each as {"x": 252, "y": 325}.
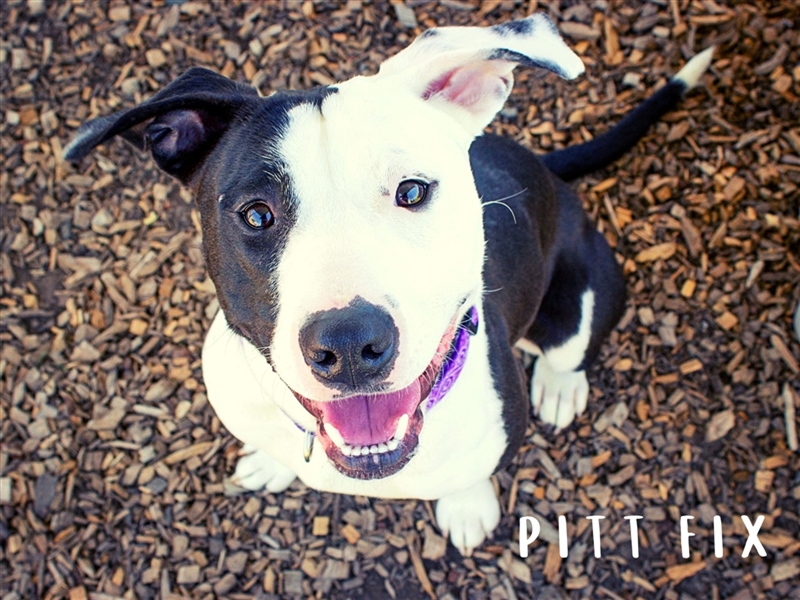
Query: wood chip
{"x": 678, "y": 131}
{"x": 293, "y": 582}
{"x": 188, "y": 452}
{"x": 188, "y": 574}
{"x": 734, "y": 187}
{"x": 321, "y": 526}
{"x": 614, "y": 416}
{"x": 160, "y": 390}
{"x": 621, "y": 476}
{"x": 119, "y": 13}
{"x": 419, "y": 568}
{"x": 78, "y": 593}
{"x": 605, "y": 185}
{"x": 691, "y": 366}
{"x": 694, "y": 241}
{"x": 680, "y": 572}
{"x": 434, "y": 546}
{"x": 720, "y": 424}
{"x": 657, "y": 252}
{"x": 786, "y": 354}
{"x": 763, "y": 481}
{"x": 579, "y": 31}
{"x": 515, "y": 567}
{"x": 773, "y": 63}
{"x": 6, "y": 486}
{"x": 786, "y": 569}
{"x": 405, "y": 15}
{"x": 109, "y": 418}
{"x": 727, "y": 320}
{"x": 156, "y": 58}
{"x": 350, "y": 533}
{"x": 790, "y": 402}
{"x": 552, "y": 564}
{"x": 335, "y": 569}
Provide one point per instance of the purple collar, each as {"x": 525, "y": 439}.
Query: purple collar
{"x": 455, "y": 359}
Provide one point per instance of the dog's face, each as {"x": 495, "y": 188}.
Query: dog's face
{"x": 341, "y": 226}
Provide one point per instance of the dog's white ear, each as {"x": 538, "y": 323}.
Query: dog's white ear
{"x": 467, "y": 71}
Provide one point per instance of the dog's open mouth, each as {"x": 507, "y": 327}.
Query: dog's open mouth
{"x": 374, "y": 435}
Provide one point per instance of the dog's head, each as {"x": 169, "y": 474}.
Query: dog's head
{"x": 341, "y": 225}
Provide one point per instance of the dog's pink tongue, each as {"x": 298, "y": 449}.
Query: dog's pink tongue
{"x": 368, "y": 420}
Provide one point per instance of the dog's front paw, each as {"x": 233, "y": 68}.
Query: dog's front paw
{"x": 257, "y": 469}
{"x": 558, "y": 397}
{"x": 469, "y": 516}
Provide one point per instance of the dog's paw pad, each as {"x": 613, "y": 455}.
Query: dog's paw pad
{"x": 256, "y": 469}
{"x": 469, "y": 516}
{"x": 558, "y": 398}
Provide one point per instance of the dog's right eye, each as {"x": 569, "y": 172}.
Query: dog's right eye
{"x": 258, "y": 215}
{"x": 411, "y": 192}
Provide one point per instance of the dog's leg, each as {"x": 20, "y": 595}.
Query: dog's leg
{"x": 558, "y": 396}
{"x": 469, "y": 515}
{"x": 580, "y": 308}
{"x": 257, "y": 469}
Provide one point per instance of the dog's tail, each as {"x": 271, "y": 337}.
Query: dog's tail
{"x": 574, "y": 161}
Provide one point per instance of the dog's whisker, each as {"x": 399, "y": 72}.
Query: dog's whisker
{"x": 514, "y": 195}
{"x": 501, "y": 201}
{"x": 511, "y": 210}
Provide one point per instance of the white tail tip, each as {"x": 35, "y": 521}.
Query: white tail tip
{"x": 693, "y": 70}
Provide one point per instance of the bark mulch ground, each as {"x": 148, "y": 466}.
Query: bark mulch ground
{"x": 113, "y": 465}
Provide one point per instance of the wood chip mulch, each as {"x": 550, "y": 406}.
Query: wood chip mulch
{"x": 113, "y": 465}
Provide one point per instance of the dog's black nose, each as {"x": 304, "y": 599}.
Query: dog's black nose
{"x": 353, "y": 347}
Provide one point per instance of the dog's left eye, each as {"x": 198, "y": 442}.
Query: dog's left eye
{"x": 258, "y": 215}
{"x": 411, "y": 192}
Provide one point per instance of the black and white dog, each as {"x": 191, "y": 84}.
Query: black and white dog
{"x": 376, "y": 259}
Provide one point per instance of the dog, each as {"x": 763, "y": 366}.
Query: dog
{"x": 377, "y": 257}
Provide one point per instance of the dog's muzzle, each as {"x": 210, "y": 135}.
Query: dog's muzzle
{"x": 371, "y": 436}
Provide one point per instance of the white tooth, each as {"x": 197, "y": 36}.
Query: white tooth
{"x": 383, "y": 448}
{"x": 363, "y": 450}
{"x": 392, "y": 444}
{"x": 335, "y": 436}
{"x": 402, "y": 427}
{"x": 373, "y": 449}
{"x": 346, "y": 450}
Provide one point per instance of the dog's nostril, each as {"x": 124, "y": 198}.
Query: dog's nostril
{"x": 371, "y": 353}
{"x": 324, "y": 358}
{"x": 157, "y": 131}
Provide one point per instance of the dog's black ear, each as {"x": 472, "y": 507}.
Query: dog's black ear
{"x": 180, "y": 124}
